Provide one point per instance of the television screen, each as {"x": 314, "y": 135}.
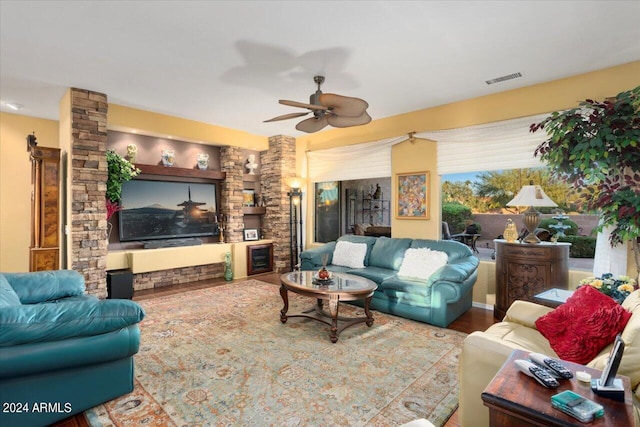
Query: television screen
{"x": 164, "y": 210}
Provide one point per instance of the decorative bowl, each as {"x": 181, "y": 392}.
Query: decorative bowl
{"x": 316, "y": 278}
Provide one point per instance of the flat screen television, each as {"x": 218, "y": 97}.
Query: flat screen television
{"x": 166, "y": 210}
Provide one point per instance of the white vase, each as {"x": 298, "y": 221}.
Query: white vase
{"x": 168, "y": 157}
{"x": 203, "y": 161}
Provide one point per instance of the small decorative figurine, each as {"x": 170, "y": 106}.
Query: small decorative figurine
{"x": 132, "y": 152}
{"x": 168, "y": 157}
{"x": 378, "y": 193}
{"x": 203, "y": 161}
{"x": 251, "y": 164}
{"x": 510, "y": 231}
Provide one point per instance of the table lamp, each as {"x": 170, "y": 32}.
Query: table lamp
{"x": 532, "y": 196}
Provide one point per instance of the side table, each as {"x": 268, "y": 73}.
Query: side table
{"x": 553, "y": 297}
{"x": 515, "y": 399}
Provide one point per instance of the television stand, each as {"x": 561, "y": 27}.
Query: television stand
{"x": 171, "y": 243}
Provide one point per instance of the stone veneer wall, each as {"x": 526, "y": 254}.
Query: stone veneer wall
{"x": 176, "y": 276}
{"x": 88, "y": 187}
{"x": 232, "y": 163}
{"x": 278, "y": 163}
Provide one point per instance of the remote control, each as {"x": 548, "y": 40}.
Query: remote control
{"x": 551, "y": 364}
{"x": 539, "y": 373}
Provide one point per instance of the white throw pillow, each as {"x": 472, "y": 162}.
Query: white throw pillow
{"x": 421, "y": 263}
{"x": 349, "y": 254}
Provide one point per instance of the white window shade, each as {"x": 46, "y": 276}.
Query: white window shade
{"x": 493, "y": 146}
{"x": 360, "y": 161}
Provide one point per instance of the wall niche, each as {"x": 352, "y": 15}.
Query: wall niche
{"x": 148, "y": 158}
{"x": 149, "y": 150}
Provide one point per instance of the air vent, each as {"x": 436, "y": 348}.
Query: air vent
{"x": 504, "y": 78}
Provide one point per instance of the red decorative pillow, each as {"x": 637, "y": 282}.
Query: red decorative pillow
{"x": 579, "y": 329}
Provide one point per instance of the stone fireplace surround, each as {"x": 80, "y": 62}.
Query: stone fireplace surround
{"x": 89, "y": 248}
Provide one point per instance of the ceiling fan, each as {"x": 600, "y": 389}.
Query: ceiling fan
{"x": 327, "y": 109}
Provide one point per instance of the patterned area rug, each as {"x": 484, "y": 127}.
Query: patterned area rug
{"x": 221, "y": 356}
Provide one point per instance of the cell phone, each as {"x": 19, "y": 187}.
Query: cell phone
{"x": 579, "y": 407}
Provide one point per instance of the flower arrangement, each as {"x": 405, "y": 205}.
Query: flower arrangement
{"x": 618, "y": 289}
{"x": 112, "y": 208}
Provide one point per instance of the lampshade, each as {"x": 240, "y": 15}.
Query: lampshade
{"x": 532, "y": 195}
{"x": 294, "y": 182}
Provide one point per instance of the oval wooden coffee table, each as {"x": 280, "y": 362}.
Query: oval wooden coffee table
{"x": 343, "y": 287}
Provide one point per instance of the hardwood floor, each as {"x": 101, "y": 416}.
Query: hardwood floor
{"x": 476, "y": 319}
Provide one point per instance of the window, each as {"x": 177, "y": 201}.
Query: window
{"x": 327, "y": 217}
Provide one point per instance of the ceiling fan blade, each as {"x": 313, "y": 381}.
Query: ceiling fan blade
{"x": 285, "y": 117}
{"x": 312, "y": 124}
{"x": 302, "y": 105}
{"x": 344, "y": 106}
{"x": 345, "y": 122}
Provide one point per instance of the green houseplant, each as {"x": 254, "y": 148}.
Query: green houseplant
{"x": 119, "y": 170}
{"x": 595, "y": 148}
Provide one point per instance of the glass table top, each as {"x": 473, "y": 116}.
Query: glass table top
{"x": 340, "y": 282}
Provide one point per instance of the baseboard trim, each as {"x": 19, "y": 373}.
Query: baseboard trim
{"x": 483, "y": 306}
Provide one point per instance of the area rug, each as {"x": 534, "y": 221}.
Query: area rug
{"x": 221, "y": 357}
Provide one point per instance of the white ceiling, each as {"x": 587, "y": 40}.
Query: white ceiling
{"x": 228, "y": 62}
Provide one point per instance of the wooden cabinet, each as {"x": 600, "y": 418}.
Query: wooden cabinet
{"x": 524, "y": 270}
{"x": 44, "y": 252}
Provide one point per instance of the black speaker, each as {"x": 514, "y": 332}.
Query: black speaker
{"x": 119, "y": 284}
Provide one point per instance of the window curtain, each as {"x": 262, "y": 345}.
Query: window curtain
{"x": 359, "y": 161}
{"x": 493, "y": 146}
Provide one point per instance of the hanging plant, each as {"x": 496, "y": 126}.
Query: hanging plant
{"x": 595, "y": 148}
{"x": 119, "y": 171}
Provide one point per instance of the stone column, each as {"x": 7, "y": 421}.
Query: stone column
{"x": 231, "y": 162}
{"x": 278, "y": 163}
{"x": 88, "y": 187}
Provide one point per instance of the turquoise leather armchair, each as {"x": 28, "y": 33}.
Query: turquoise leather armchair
{"x": 61, "y": 351}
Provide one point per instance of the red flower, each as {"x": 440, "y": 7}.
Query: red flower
{"x": 112, "y": 207}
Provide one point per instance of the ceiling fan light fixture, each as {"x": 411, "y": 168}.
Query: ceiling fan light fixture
{"x": 312, "y": 124}
{"x": 345, "y": 122}
{"x": 327, "y": 109}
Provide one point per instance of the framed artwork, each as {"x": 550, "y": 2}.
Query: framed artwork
{"x": 248, "y": 198}
{"x": 259, "y": 258}
{"x": 250, "y": 234}
{"x": 413, "y": 195}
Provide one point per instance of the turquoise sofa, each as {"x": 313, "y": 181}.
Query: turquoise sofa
{"x": 61, "y": 351}
{"x": 440, "y": 300}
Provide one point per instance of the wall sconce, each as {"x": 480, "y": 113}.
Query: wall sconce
{"x": 532, "y": 196}
{"x": 31, "y": 141}
{"x": 412, "y": 137}
{"x": 295, "y": 219}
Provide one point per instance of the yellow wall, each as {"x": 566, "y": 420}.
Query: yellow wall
{"x": 15, "y": 185}
{"x": 127, "y": 119}
{"x": 64, "y": 129}
{"x": 419, "y": 156}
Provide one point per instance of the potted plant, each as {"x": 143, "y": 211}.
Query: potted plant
{"x": 119, "y": 170}
{"x": 596, "y": 148}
